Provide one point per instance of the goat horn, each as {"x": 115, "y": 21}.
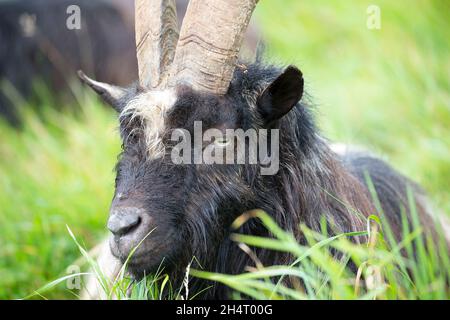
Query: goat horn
{"x": 156, "y": 37}
{"x": 209, "y": 43}
{"x": 109, "y": 93}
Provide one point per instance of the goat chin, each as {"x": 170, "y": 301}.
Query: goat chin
{"x": 110, "y": 267}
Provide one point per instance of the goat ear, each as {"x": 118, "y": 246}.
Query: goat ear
{"x": 113, "y": 95}
{"x": 281, "y": 95}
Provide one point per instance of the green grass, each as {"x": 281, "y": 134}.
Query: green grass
{"x": 387, "y": 90}
{"x": 52, "y": 173}
{"x": 417, "y": 267}
{"x": 381, "y": 270}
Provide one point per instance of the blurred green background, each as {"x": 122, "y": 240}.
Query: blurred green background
{"x": 387, "y": 90}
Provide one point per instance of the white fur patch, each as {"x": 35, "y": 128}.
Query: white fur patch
{"x": 108, "y": 265}
{"x": 340, "y": 148}
{"x": 445, "y": 223}
{"x": 343, "y": 148}
{"x": 151, "y": 107}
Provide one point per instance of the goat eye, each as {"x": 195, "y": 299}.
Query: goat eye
{"x": 222, "y": 142}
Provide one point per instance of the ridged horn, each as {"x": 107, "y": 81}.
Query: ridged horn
{"x": 156, "y": 39}
{"x": 209, "y": 43}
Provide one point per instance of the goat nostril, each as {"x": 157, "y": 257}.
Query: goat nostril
{"x": 122, "y": 223}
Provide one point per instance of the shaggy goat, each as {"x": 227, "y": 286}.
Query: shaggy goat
{"x": 185, "y": 210}
{"x": 191, "y": 206}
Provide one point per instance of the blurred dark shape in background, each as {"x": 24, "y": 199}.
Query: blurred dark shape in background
{"x": 37, "y": 46}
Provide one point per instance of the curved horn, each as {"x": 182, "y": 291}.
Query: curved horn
{"x": 209, "y": 43}
{"x": 156, "y": 37}
{"x": 113, "y": 95}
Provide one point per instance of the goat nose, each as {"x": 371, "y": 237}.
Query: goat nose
{"x": 124, "y": 220}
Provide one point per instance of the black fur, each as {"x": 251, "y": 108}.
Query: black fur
{"x": 193, "y": 206}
